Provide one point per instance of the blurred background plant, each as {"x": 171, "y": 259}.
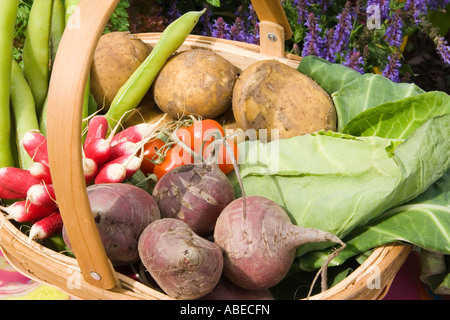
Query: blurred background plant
{"x": 404, "y": 40}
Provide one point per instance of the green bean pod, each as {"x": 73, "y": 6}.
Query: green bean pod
{"x": 8, "y": 15}
{"x": 24, "y": 112}
{"x": 58, "y": 24}
{"x": 36, "y": 51}
{"x": 135, "y": 88}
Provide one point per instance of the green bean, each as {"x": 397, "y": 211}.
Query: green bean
{"x": 58, "y": 24}
{"x": 7, "y": 25}
{"x": 36, "y": 51}
{"x": 135, "y": 88}
{"x": 24, "y": 112}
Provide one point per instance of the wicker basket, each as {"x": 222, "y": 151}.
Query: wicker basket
{"x": 91, "y": 275}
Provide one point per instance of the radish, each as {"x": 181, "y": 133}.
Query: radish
{"x": 185, "y": 265}
{"x": 135, "y": 133}
{"x": 194, "y": 193}
{"x": 259, "y": 243}
{"x": 41, "y": 172}
{"x": 17, "y": 180}
{"x": 46, "y": 227}
{"x": 35, "y": 144}
{"x": 99, "y": 150}
{"x": 90, "y": 170}
{"x": 111, "y": 173}
{"x": 121, "y": 212}
{"x": 124, "y": 148}
{"x": 41, "y": 195}
{"x": 97, "y": 128}
{"x": 24, "y": 211}
{"x": 8, "y": 194}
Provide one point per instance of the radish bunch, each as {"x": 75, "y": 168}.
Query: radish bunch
{"x": 106, "y": 159}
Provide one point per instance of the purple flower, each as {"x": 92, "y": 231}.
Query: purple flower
{"x": 173, "y": 12}
{"x": 394, "y": 30}
{"x": 302, "y": 12}
{"x": 392, "y": 69}
{"x": 416, "y": 8}
{"x": 442, "y": 48}
{"x": 206, "y": 20}
{"x": 237, "y": 30}
{"x": 341, "y": 36}
{"x": 328, "y": 53}
{"x": 383, "y": 5}
{"x": 220, "y": 28}
{"x": 313, "y": 43}
{"x": 355, "y": 61}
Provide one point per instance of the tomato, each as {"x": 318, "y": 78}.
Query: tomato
{"x": 150, "y": 150}
{"x": 184, "y": 135}
{"x": 223, "y": 158}
{"x": 174, "y": 158}
{"x": 201, "y": 131}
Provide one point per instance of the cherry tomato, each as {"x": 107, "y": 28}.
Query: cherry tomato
{"x": 223, "y": 158}
{"x": 175, "y": 157}
{"x": 150, "y": 150}
{"x": 184, "y": 135}
{"x": 201, "y": 131}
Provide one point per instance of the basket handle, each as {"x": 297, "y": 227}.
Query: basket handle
{"x": 64, "y": 116}
{"x": 274, "y": 27}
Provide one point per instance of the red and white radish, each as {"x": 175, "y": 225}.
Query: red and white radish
{"x": 24, "y": 211}
{"x": 35, "y": 144}
{"x": 42, "y": 194}
{"x": 121, "y": 212}
{"x": 135, "y": 133}
{"x": 46, "y": 227}
{"x": 97, "y": 128}
{"x": 194, "y": 193}
{"x": 185, "y": 265}
{"x": 17, "y": 180}
{"x": 90, "y": 170}
{"x": 41, "y": 172}
{"x": 8, "y": 194}
{"x": 111, "y": 173}
{"x": 259, "y": 244}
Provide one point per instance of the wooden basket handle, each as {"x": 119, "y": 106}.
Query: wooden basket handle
{"x": 64, "y": 117}
{"x": 274, "y": 27}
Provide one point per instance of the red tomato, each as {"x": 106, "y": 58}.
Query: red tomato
{"x": 150, "y": 150}
{"x": 175, "y": 157}
{"x": 202, "y": 132}
{"x": 184, "y": 135}
{"x": 223, "y": 158}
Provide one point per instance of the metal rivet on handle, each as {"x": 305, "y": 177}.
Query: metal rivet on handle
{"x": 272, "y": 37}
{"x": 95, "y": 276}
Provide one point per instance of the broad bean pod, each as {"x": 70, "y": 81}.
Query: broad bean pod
{"x": 135, "y": 88}
{"x": 8, "y": 15}
{"x": 36, "y": 51}
{"x": 24, "y": 111}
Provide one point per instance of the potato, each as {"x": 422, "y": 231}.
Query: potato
{"x": 271, "y": 95}
{"x": 116, "y": 57}
{"x": 195, "y": 82}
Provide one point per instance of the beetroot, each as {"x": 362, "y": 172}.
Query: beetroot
{"x": 185, "y": 265}
{"x": 121, "y": 211}
{"x": 227, "y": 290}
{"x": 195, "y": 194}
{"x": 259, "y": 243}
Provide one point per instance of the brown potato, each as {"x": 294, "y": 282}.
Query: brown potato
{"x": 196, "y": 82}
{"x": 271, "y": 95}
{"x": 116, "y": 57}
